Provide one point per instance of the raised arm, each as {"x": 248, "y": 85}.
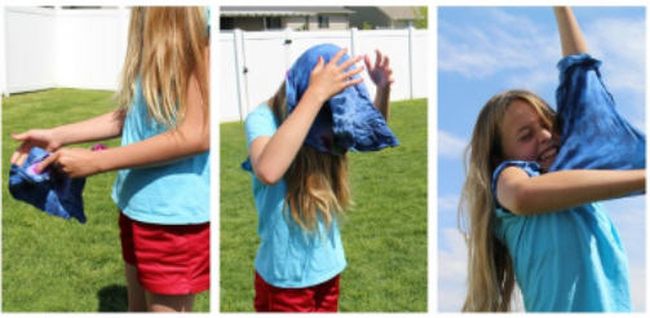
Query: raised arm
{"x": 554, "y": 191}
{"x": 573, "y": 42}
{"x": 381, "y": 75}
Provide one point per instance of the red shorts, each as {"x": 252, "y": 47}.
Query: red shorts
{"x": 323, "y": 297}
{"x": 170, "y": 259}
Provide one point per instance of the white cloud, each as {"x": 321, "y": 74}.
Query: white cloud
{"x": 495, "y": 46}
{"x": 620, "y": 44}
{"x": 637, "y": 286}
{"x": 448, "y": 203}
{"x": 623, "y": 43}
{"x": 527, "y": 55}
{"x": 628, "y": 216}
{"x": 452, "y": 270}
{"x": 450, "y": 146}
{"x": 452, "y": 273}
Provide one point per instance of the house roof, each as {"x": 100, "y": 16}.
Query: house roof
{"x": 400, "y": 13}
{"x": 281, "y": 11}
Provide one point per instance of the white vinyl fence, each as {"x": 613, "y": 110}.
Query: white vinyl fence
{"x": 84, "y": 48}
{"x": 253, "y": 64}
{"x": 45, "y": 48}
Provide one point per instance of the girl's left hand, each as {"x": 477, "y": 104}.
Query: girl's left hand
{"x": 74, "y": 162}
{"x": 380, "y": 73}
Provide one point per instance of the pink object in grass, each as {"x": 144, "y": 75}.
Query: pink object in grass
{"x": 99, "y": 147}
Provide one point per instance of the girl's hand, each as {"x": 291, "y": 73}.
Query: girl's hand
{"x": 327, "y": 80}
{"x": 43, "y": 138}
{"x": 75, "y": 162}
{"x": 380, "y": 73}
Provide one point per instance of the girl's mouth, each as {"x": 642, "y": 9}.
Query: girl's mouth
{"x": 547, "y": 154}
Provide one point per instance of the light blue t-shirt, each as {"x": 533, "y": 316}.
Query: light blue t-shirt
{"x": 287, "y": 256}
{"x": 570, "y": 260}
{"x": 174, "y": 193}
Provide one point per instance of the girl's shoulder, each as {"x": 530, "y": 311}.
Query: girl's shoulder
{"x": 260, "y": 122}
{"x": 261, "y": 111}
{"x": 532, "y": 168}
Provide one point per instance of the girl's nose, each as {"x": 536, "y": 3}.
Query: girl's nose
{"x": 545, "y": 135}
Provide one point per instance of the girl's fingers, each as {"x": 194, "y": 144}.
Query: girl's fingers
{"x": 366, "y": 61}
{"x": 337, "y": 57}
{"x": 378, "y": 57}
{"x": 48, "y": 161}
{"x": 385, "y": 62}
{"x": 319, "y": 64}
{"x": 353, "y": 72}
{"x": 18, "y": 158}
{"x": 345, "y": 65}
{"x": 15, "y": 157}
{"x": 19, "y": 137}
{"x": 21, "y": 153}
{"x": 353, "y": 81}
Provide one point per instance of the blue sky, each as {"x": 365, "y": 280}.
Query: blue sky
{"x": 485, "y": 50}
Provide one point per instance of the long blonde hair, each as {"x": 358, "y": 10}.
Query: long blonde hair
{"x": 166, "y": 46}
{"x": 317, "y": 183}
{"x": 491, "y": 279}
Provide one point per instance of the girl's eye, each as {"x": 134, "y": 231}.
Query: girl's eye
{"x": 525, "y": 137}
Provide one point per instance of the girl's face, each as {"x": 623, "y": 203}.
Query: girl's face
{"x": 526, "y": 136}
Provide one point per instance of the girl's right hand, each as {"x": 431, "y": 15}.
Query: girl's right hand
{"x": 43, "y": 138}
{"x": 327, "y": 80}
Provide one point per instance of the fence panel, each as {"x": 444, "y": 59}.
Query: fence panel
{"x": 47, "y": 48}
{"x": 91, "y": 46}
{"x": 30, "y": 38}
{"x": 266, "y": 56}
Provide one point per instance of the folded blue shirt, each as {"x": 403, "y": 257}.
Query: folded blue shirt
{"x": 49, "y": 191}
{"x": 593, "y": 133}
{"x": 349, "y": 120}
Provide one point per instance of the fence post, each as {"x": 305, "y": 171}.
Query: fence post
{"x": 3, "y": 54}
{"x": 240, "y": 69}
{"x": 354, "y": 41}
{"x": 288, "y": 40}
{"x": 411, "y": 58}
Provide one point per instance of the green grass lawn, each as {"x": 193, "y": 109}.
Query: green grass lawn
{"x": 385, "y": 234}
{"x": 49, "y": 264}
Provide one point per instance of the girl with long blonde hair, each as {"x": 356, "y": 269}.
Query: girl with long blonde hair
{"x": 162, "y": 186}
{"x": 300, "y": 182}
{"x": 530, "y": 223}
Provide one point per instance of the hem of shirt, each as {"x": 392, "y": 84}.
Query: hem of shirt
{"x": 146, "y": 217}
{"x": 302, "y": 284}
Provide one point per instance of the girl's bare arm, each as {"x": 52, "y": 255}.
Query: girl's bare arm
{"x": 573, "y": 42}
{"x": 553, "y": 191}
{"x": 272, "y": 156}
{"x": 102, "y": 127}
{"x": 381, "y": 74}
{"x": 191, "y": 136}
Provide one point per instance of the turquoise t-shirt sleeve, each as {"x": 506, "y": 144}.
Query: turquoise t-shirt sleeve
{"x": 260, "y": 122}
{"x": 530, "y": 167}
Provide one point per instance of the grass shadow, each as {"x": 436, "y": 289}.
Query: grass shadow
{"x": 113, "y": 298}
